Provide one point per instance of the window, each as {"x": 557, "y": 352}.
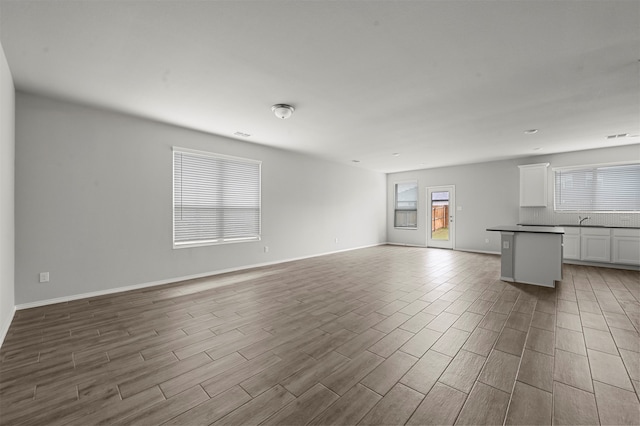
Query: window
{"x": 603, "y": 188}
{"x": 406, "y": 205}
{"x": 216, "y": 199}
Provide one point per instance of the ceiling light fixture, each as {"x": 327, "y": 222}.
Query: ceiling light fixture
{"x": 396, "y": 154}
{"x": 531, "y": 131}
{"x": 282, "y": 111}
{"x": 355, "y": 161}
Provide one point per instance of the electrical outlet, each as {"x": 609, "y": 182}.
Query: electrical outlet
{"x": 44, "y": 277}
{"x": 505, "y": 244}
{"x": 486, "y": 241}
{"x": 336, "y": 240}
{"x": 266, "y": 249}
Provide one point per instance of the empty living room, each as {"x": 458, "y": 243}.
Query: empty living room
{"x": 319, "y": 212}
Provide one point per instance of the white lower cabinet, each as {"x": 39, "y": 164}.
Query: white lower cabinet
{"x": 602, "y": 245}
{"x": 595, "y": 244}
{"x": 626, "y": 246}
{"x": 571, "y": 243}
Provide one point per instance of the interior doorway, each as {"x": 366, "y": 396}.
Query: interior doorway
{"x": 441, "y": 209}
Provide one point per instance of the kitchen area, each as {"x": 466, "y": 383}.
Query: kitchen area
{"x": 548, "y": 235}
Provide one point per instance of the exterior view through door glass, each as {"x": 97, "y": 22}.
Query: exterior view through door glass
{"x": 440, "y": 216}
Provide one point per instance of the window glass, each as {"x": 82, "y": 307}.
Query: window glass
{"x": 216, "y": 199}
{"x": 598, "y": 189}
{"x": 406, "y": 205}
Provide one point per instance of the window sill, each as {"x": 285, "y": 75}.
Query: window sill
{"x": 215, "y": 242}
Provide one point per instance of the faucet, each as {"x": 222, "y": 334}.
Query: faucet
{"x": 582, "y": 219}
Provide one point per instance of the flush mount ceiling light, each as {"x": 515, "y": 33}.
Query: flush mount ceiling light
{"x": 282, "y": 111}
{"x": 531, "y": 131}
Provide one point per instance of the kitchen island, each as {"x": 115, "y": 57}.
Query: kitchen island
{"x": 531, "y": 254}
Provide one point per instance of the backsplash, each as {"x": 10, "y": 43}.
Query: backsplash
{"x": 547, "y": 216}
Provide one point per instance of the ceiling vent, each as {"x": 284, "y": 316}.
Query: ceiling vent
{"x": 621, "y": 135}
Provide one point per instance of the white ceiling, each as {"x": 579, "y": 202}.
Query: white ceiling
{"x": 440, "y": 82}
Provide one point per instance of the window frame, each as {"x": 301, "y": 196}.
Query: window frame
{"x": 588, "y": 167}
{"x": 395, "y": 203}
{"x": 220, "y": 241}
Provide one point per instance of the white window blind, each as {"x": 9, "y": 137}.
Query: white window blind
{"x": 406, "y": 205}
{"x": 598, "y": 189}
{"x": 216, "y": 199}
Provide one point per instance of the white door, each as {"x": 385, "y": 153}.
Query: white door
{"x": 441, "y": 208}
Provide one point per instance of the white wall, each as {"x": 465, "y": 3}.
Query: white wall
{"x": 94, "y": 191}
{"x": 547, "y": 216}
{"x": 7, "y": 179}
{"x": 487, "y": 193}
{"x": 489, "y": 196}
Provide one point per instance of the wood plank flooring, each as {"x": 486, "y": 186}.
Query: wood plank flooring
{"x": 383, "y": 335}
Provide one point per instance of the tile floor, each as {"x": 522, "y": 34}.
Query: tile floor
{"x": 383, "y": 335}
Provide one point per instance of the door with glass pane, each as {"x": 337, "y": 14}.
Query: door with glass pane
{"x": 441, "y": 216}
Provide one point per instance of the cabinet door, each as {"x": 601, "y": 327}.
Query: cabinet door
{"x": 571, "y": 248}
{"x": 626, "y": 250}
{"x": 595, "y": 248}
{"x": 533, "y": 185}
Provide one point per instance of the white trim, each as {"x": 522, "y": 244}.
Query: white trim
{"x": 5, "y": 328}
{"x": 395, "y": 202}
{"x": 437, "y": 248}
{"x": 452, "y": 212}
{"x": 213, "y": 154}
{"x": 405, "y": 245}
{"x": 479, "y": 251}
{"x": 190, "y": 244}
{"x": 601, "y": 264}
{"x": 176, "y": 280}
{"x": 594, "y": 166}
{"x": 524, "y": 166}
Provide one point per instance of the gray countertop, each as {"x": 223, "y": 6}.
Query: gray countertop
{"x": 533, "y": 229}
{"x": 579, "y": 226}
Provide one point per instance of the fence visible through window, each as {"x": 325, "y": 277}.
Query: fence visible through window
{"x": 440, "y": 215}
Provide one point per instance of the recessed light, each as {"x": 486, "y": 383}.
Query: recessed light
{"x": 530, "y": 131}
{"x": 396, "y": 154}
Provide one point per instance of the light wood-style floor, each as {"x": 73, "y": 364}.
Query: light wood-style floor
{"x": 383, "y": 335}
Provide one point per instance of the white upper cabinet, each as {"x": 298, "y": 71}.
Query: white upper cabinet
{"x": 533, "y": 185}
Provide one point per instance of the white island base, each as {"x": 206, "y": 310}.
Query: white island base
{"x": 531, "y": 254}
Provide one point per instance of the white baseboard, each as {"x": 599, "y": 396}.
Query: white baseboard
{"x": 455, "y": 249}
{"x": 480, "y": 251}
{"x": 175, "y": 280}
{"x": 5, "y": 326}
{"x": 602, "y": 264}
{"x": 406, "y": 245}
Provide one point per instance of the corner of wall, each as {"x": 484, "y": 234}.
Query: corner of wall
{"x": 7, "y": 197}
